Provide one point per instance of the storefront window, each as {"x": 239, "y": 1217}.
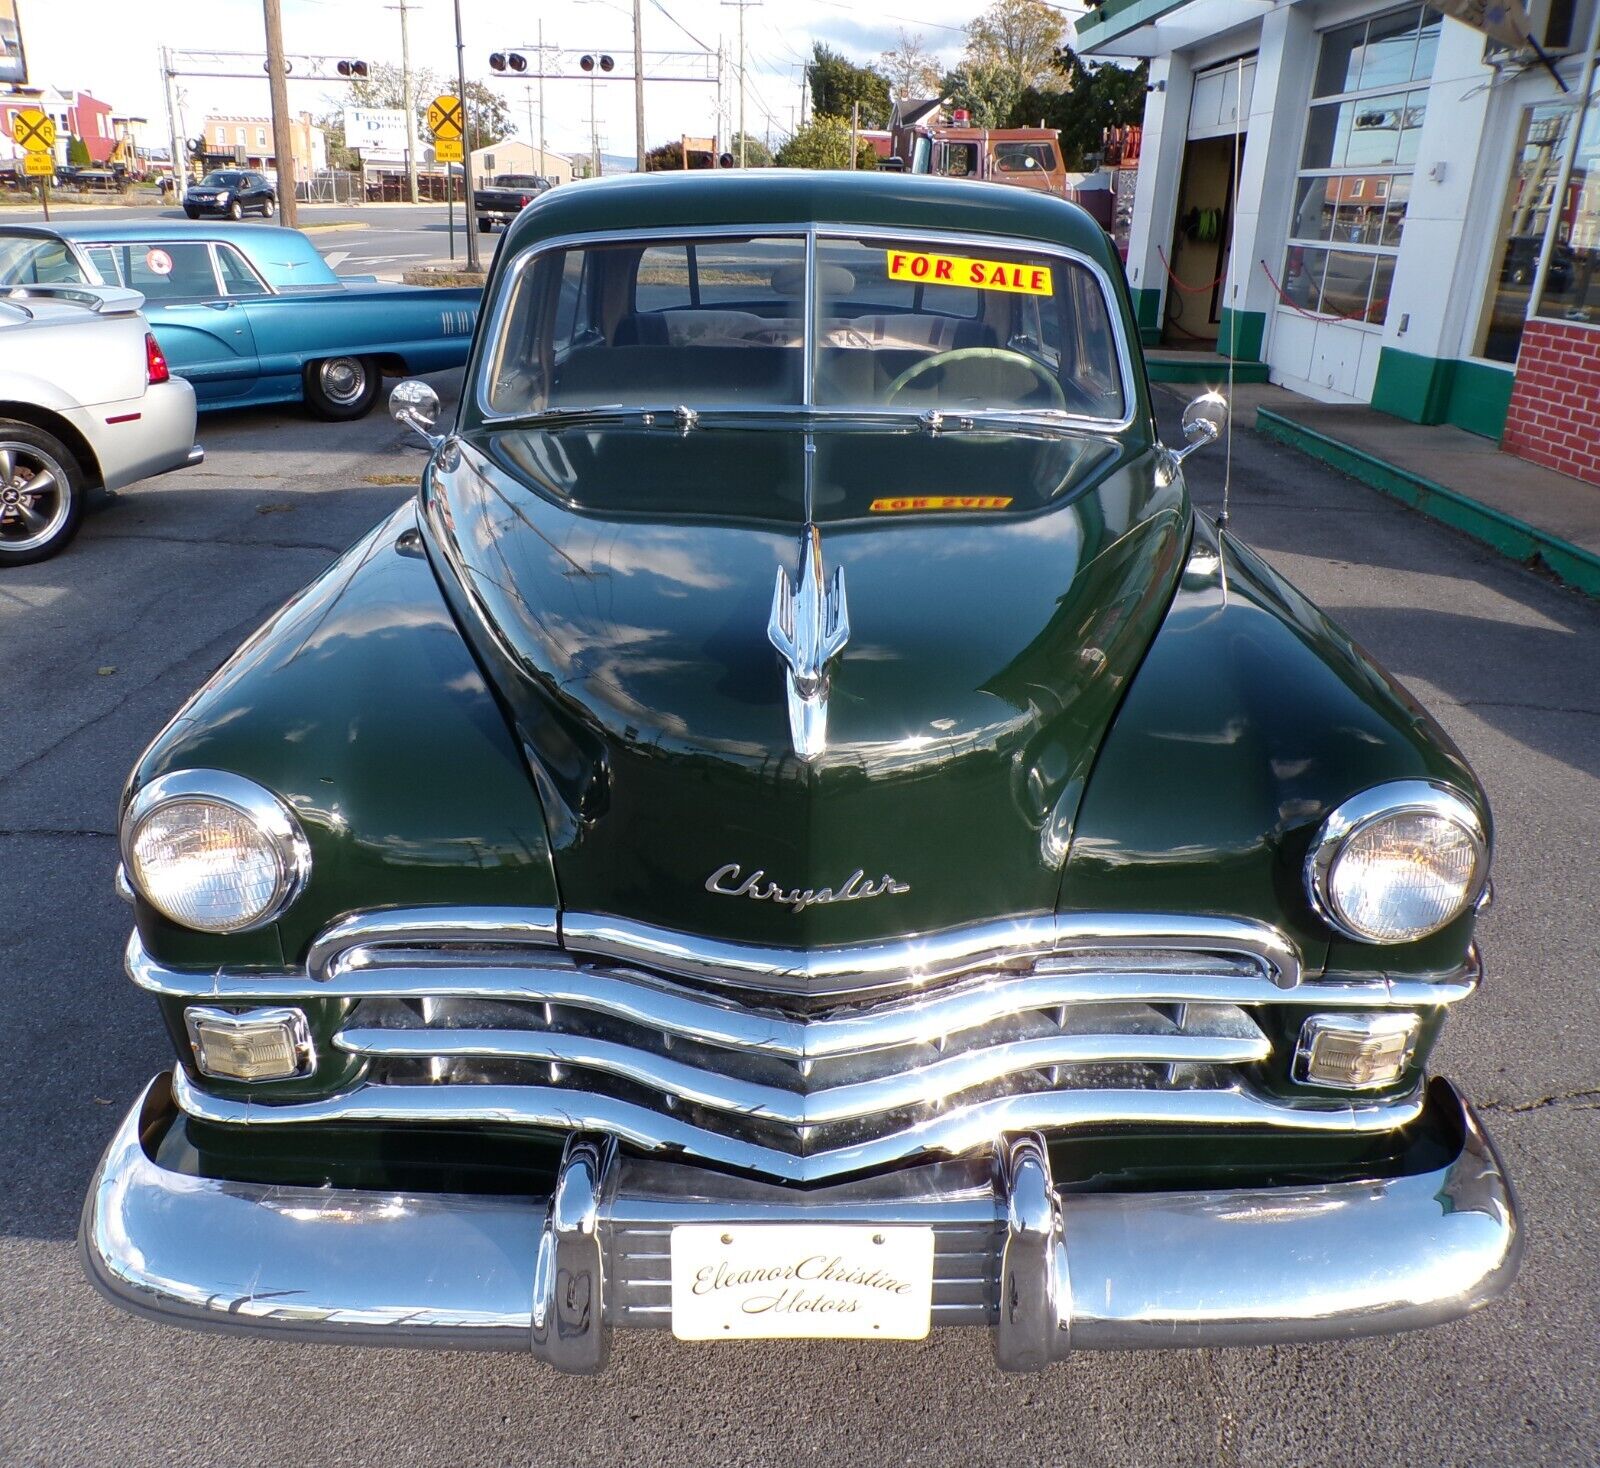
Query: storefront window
{"x": 1572, "y": 282}
{"x": 1368, "y": 106}
{"x": 1523, "y": 224}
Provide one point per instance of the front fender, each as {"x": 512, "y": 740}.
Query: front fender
{"x": 360, "y": 705}
{"x": 1251, "y": 717}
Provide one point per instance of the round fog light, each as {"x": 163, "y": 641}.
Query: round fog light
{"x": 214, "y": 851}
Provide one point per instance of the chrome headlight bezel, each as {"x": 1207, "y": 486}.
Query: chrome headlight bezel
{"x": 1359, "y": 813}
{"x": 271, "y": 816}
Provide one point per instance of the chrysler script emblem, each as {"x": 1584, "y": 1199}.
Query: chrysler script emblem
{"x": 726, "y": 882}
{"x": 810, "y": 624}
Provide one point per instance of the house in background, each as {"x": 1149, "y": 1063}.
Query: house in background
{"x": 1372, "y": 203}
{"x": 247, "y": 141}
{"x": 57, "y": 106}
{"x": 512, "y": 156}
{"x": 90, "y": 119}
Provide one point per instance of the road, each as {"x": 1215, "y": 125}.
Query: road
{"x": 98, "y": 647}
{"x": 366, "y": 239}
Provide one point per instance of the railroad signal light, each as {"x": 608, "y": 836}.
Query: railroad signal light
{"x": 518, "y": 61}
{"x": 588, "y": 63}
{"x": 497, "y": 61}
{"x": 606, "y": 63}
{"x": 725, "y": 160}
{"x": 352, "y": 68}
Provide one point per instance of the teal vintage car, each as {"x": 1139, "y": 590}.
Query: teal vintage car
{"x": 252, "y": 314}
{"x": 802, "y": 830}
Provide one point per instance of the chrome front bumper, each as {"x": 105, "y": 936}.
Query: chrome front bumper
{"x": 1047, "y": 1271}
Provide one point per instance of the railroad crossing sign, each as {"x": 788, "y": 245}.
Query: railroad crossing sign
{"x": 445, "y": 119}
{"x": 446, "y": 150}
{"x": 38, "y": 164}
{"x": 33, "y": 130}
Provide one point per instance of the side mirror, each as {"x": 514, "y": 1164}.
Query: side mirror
{"x": 416, "y": 405}
{"x": 1203, "y": 422}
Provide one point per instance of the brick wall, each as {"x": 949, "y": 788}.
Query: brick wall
{"x": 1554, "y": 418}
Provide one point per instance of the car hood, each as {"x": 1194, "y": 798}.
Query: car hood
{"x": 617, "y": 584}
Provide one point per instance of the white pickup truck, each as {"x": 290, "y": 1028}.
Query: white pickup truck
{"x": 86, "y": 403}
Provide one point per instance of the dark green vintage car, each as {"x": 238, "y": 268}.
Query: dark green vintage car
{"x": 802, "y": 830}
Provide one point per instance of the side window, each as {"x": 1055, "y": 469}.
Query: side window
{"x": 173, "y": 270}
{"x": 574, "y": 319}
{"x": 39, "y": 262}
{"x": 104, "y": 260}
{"x": 238, "y": 279}
{"x": 662, "y": 280}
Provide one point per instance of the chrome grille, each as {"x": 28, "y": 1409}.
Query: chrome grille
{"x": 455, "y": 1017}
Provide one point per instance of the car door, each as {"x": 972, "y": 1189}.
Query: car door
{"x": 206, "y": 334}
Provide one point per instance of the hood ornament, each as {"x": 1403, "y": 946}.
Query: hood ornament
{"x": 810, "y": 624}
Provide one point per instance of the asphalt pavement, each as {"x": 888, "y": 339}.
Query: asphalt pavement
{"x": 101, "y": 645}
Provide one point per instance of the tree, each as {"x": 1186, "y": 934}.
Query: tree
{"x": 824, "y": 142}
{"x": 1021, "y": 37}
{"x": 756, "y": 153}
{"x": 911, "y": 69}
{"x": 489, "y": 116}
{"x": 1086, "y": 100}
{"x": 837, "y": 83}
{"x": 340, "y": 155}
{"x": 987, "y": 89}
{"x": 78, "y": 152}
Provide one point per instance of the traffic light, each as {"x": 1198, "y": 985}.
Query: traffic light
{"x": 606, "y": 63}
{"x": 352, "y": 68}
{"x": 588, "y": 63}
{"x": 518, "y": 61}
{"x": 508, "y": 60}
{"x": 497, "y": 61}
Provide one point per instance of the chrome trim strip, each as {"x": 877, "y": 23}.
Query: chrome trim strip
{"x": 1351, "y": 817}
{"x": 936, "y": 1082}
{"x": 271, "y": 815}
{"x": 1151, "y": 1269}
{"x": 812, "y": 232}
{"x": 968, "y": 1129}
{"x": 912, "y": 962}
{"x": 336, "y": 947}
{"x": 708, "y": 1017}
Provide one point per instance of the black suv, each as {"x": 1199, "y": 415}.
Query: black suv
{"x": 231, "y": 192}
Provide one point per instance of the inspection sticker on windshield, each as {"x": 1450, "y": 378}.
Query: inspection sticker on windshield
{"x": 985, "y": 275}
{"x": 900, "y": 503}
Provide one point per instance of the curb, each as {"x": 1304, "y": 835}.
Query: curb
{"x": 334, "y": 224}
{"x": 1570, "y": 564}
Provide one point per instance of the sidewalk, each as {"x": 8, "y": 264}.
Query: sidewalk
{"x": 1526, "y": 512}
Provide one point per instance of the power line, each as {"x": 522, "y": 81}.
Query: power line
{"x": 680, "y": 25}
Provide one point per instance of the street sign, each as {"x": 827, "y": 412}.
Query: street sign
{"x": 38, "y": 165}
{"x": 375, "y": 129}
{"x": 445, "y": 119}
{"x": 33, "y": 130}
{"x": 447, "y": 150}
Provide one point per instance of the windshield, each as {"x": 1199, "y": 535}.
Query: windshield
{"x": 221, "y": 180}
{"x": 1024, "y": 157}
{"x": 27, "y": 260}
{"x": 960, "y": 326}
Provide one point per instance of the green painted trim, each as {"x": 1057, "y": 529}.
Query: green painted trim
{"x": 1200, "y": 367}
{"x": 1240, "y": 336}
{"x": 1118, "y": 17}
{"x": 1471, "y": 395}
{"x": 1147, "y": 312}
{"x": 1568, "y": 563}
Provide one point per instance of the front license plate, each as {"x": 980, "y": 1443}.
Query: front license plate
{"x": 801, "y": 1281}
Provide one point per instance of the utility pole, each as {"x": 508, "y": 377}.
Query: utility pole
{"x": 175, "y": 140}
{"x": 466, "y": 137}
{"x": 638, "y": 88}
{"x": 281, "y": 144}
{"x": 594, "y": 136}
{"x": 541, "y": 98}
{"x": 527, "y": 97}
{"x": 408, "y": 99}
{"x": 741, "y": 6}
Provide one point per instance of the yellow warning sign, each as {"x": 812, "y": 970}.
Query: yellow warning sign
{"x": 38, "y": 165}
{"x": 33, "y": 130}
{"x": 447, "y": 150}
{"x": 445, "y": 118}
{"x": 899, "y": 504}
{"x": 963, "y": 270}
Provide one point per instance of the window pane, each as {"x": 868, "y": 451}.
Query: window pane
{"x": 1302, "y": 277}
{"x": 26, "y": 261}
{"x": 1394, "y": 219}
{"x": 175, "y": 270}
{"x": 729, "y": 275}
{"x": 1572, "y": 285}
{"x": 1326, "y": 132}
{"x": 1416, "y": 110}
{"x": 1374, "y": 129}
{"x": 1382, "y": 284}
{"x": 237, "y": 277}
{"x": 1340, "y": 65}
{"x": 663, "y": 279}
{"x": 1314, "y": 209}
{"x": 1390, "y": 49}
{"x": 1348, "y": 283}
{"x": 1427, "y": 46}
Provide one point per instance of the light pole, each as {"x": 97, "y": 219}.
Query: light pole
{"x": 638, "y": 89}
{"x": 466, "y": 139}
{"x": 408, "y": 100}
{"x": 742, "y": 6}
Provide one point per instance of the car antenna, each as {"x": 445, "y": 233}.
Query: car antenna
{"x": 1232, "y": 293}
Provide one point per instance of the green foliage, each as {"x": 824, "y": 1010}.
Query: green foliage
{"x": 911, "y": 69}
{"x": 837, "y": 83}
{"x": 669, "y": 158}
{"x": 78, "y": 152}
{"x": 756, "y": 153}
{"x": 1086, "y": 100}
{"x": 824, "y": 142}
{"x": 986, "y": 89}
{"x": 1018, "y": 38}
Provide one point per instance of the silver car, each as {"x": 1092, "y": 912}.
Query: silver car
{"x": 87, "y": 403}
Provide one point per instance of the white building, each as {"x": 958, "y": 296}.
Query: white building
{"x": 1396, "y": 239}
{"x": 511, "y": 156}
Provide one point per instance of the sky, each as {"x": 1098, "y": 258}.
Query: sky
{"x": 111, "y": 48}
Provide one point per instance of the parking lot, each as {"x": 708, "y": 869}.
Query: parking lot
{"x": 98, "y": 648}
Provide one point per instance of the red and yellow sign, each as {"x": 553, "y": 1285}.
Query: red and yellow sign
{"x": 901, "y": 503}
{"x": 963, "y": 270}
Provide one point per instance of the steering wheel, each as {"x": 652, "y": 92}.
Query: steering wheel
{"x": 1058, "y": 399}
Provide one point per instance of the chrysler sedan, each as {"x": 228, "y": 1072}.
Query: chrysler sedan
{"x": 801, "y": 829}
{"x": 251, "y": 314}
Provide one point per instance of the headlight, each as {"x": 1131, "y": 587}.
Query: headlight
{"x": 222, "y": 196}
{"x": 1397, "y": 862}
{"x": 214, "y": 851}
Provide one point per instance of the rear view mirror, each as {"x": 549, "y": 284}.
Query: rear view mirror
{"x": 415, "y": 404}
{"x": 1203, "y": 422}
